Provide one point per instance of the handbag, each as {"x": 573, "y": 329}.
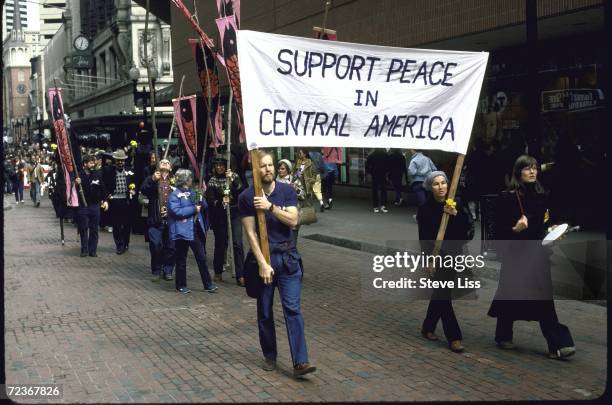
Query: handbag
{"x": 253, "y": 282}
{"x": 306, "y": 214}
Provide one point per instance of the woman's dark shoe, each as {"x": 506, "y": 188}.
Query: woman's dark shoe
{"x": 429, "y": 336}
{"x": 506, "y": 345}
{"x": 456, "y": 346}
{"x": 563, "y": 353}
{"x": 240, "y": 281}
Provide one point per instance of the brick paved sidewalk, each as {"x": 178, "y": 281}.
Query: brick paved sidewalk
{"x": 101, "y": 328}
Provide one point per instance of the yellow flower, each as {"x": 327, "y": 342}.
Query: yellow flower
{"x": 451, "y": 203}
{"x": 172, "y": 181}
{"x": 134, "y": 144}
{"x": 546, "y": 216}
{"x": 132, "y": 186}
{"x": 53, "y": 146}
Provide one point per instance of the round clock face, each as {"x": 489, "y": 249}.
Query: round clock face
{"x": 81, "y": 43}
{"x": 21, "y": 88}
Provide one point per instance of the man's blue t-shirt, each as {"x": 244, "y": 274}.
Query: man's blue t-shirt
{"x": 283, "y": 196}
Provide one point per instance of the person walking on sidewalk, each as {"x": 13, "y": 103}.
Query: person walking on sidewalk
{"x": 20, "y": 169}
{"x": 429, "y": 217}
{"x": 36, "y": 180}
{"x": 285, "y": 176}
{"x": 419, "y": 168}
{"x": 309, "y": 173}
{"x": 525, "y": 284}
{"x": 377, "y": 165}
{"x": 397, "y": 171}
{"x": 120, "y": 185}
{"x": 224, "y": 187}
{"x": 157, "y": 188}
{"x": 279, "y": 201}
{"x": 188, "y": 228}
{"x": 89, "y": 217}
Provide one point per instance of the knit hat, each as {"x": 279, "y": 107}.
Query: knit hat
{"x": 288, "y": 163}
{"x": 431, "y": 176}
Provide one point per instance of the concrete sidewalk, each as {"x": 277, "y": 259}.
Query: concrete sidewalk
{"x": 103, "y": 330}
{"x": 352, "y": 224}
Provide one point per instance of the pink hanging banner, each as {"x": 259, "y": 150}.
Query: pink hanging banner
{"x": 185, "y": 112}
{"x": 61, "y": 133}
{"x": 229, "y": 7}
{"x": 227, "y": 34}
{"x": 209, "y": 81}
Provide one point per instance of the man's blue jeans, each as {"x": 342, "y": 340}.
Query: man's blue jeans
{"x": 161, "y": 248}
{"x": 35, "y": 192}
{"x": 88, "y": 219}
{"x": 290, "y": 288}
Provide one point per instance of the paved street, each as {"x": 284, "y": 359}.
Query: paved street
{"x": 101, "y": 328}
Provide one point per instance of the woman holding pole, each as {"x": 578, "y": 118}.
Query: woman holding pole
{"x": 429, "y": 217}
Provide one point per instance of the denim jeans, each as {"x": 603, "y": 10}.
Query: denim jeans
{"x": 161, "y": 248}
{"x": 88, "y": 219}
{"x": 18, "y": 188}
{"x": 35, "y": 192}
{"x": 198, "y": 246}
{"x": 218, "y": 222}
{"x": 419, "y": 192}
{"x": 290, "y": 287}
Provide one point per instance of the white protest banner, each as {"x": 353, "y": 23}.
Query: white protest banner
{"x": 307, "y": 92}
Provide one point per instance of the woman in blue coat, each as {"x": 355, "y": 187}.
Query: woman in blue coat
{"x": 188, "y": 230}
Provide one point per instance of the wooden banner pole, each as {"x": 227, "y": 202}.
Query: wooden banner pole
{"x": 261, "y": 216}
{"x": 451, "y": 195}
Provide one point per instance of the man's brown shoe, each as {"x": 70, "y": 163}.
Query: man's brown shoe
{"x": 303, "y": 368}
{"x": 456, "y": 346}
{"x": 429, "y": 336}
{"x": 218, "y": 278}
{"x": 269, "y": 364}
{"x": 240, "y": 281}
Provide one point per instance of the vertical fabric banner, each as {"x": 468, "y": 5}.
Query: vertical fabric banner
{"x": 209, "y": 80}
{"x": 61, "y": 133}
{"x": 185, "y": 112}
{"x": 227, "y": 33}
{"x": 330, "y": 155}
{"x": 229, "y": 7}
{"x": 329, "y": 35}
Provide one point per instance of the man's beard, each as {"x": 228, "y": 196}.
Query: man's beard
{"x": 266, "y": 180}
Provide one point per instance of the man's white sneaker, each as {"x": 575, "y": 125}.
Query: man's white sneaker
{"x": 384, "y": 209}
{"x": 376, "y": 210}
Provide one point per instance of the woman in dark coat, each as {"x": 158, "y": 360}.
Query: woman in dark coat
{"x": 525, "y": 284}
{"x": 429, "y": 217}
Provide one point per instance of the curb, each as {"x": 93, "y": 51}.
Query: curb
{"x": 490, "y": 271}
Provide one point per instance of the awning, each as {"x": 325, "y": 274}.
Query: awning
{"x": 164, "y": 96}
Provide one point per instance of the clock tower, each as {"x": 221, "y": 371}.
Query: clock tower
{"x": 16, "y": 56}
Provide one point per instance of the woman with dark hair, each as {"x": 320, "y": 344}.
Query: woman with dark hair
{"x": 284, "y": 176}
{"x": 429, "y": 216}
{"x": 525, "y": 284}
